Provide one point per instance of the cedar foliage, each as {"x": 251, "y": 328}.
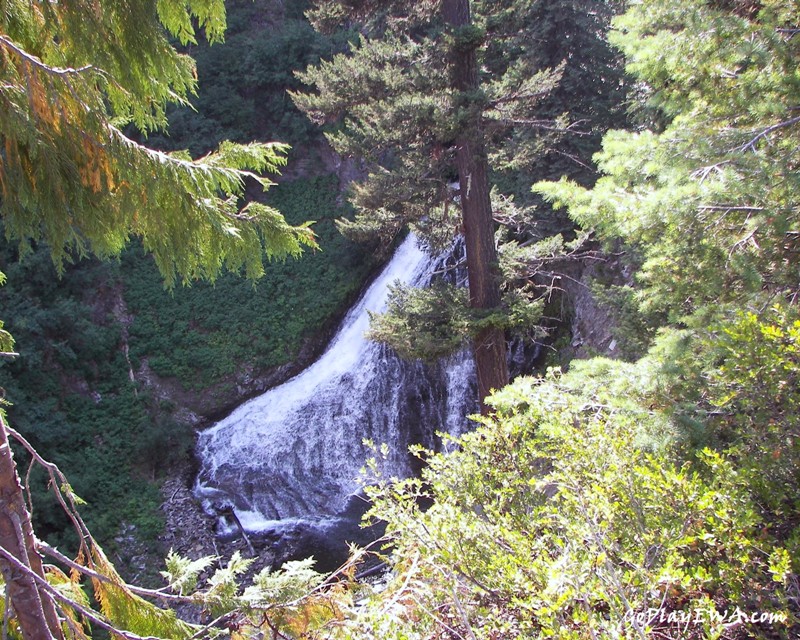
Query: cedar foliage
{"x": 73, "y": 75}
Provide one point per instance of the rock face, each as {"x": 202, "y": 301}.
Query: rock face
{"x": 592, "y": 324}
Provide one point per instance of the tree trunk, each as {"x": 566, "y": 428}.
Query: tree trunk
{"x": 476, "y": 208}
{"x": 34, "y": 610}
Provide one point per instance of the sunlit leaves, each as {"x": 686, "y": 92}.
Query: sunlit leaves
{"x": 707, "y": 201}
{"x": 561, "y": 516}
{"x": 181, "y": 573}
{"x": 70, "y": 176}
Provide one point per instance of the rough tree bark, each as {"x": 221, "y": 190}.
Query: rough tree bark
{"x": 473, "y": 170}
{"x": 34, "y": 610}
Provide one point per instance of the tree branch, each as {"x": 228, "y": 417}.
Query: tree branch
{"x": 8, "y": 43}
{"x": 58, "y": 480}
{"x": 47, "y": 550}
{"x": 95, "y": 617}
{"x": 518, "y": 96}
{"x": 750, "y": 145}
{"x": 728, "y": 207}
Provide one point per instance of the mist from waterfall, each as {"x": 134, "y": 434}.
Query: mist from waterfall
{"x": 295, "y": 452}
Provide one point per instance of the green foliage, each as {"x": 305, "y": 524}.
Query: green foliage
{"x": 289, "y": 602}
{"x": 556, "y": 518}
{"x": 295, "y": 579}
{"x": 70, "y": 394}
{"x": 74, "y": 75}
{"x": 205, "y": 333}
{"x": 633, "y": 330}
{"x": 181, "y": 573}
{"x": 390, "y": 100}
{"x": 654, "y": 499}
{"x": 6, "y": 339}
{"x": 70, "y": 387}
{"x": 708, "y": 201}
{"x": 243, "y": 81}
{"x": 590, "y": 92}
{"x": 436, "y": 321}
{"x": 423, "y": 323}
{"x": 750, "y": 391}
{"x": 223, "y": 585}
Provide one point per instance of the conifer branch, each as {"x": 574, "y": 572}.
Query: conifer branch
{"x": 518, "y": 97}
{"x": 54, "y": 593}
{"x": 545, "y": 125}
{"x": 728, "y": 207}
{"x": 87, "y": 571}
{"x": 751, "y": 144}
{"x": 57, "y": 481}
{"x": 216, "y": 622}
{"x": 8, "y": 43}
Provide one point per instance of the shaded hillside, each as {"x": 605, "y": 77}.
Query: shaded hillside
{"x": 112, "y": 367}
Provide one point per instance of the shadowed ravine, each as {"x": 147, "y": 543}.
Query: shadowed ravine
{"x": 291, "y": 457}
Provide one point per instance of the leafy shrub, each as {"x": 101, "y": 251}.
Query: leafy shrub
{"x": 560, "y": 517}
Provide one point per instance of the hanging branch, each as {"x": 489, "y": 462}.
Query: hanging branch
{"x": 91, "y": 615}
{"x": 58, "y": 481}
{"x": 47, "y": 550}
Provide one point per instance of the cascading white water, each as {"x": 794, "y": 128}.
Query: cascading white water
{"x": 295, "y": 452}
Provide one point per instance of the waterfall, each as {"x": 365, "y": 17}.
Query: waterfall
{"x": 295, "y": 452}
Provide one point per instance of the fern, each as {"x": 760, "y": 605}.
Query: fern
{"x": 182, "y": 573}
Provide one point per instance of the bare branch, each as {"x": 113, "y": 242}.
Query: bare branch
{"x": 216, "y": 622}
{"x": 545, "y": 125}
{"x": 575, "y": 159}
{"x": 728, "y": 207}
{"x": 704, "y": 172}
{"x": 47, "y": 550}
{"x": 515, "y": 97}
{"x": 58, "y": 480}
{"x": 750, "y": 145}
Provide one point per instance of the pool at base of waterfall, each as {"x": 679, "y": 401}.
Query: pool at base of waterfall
{"x": 326, "y": 539}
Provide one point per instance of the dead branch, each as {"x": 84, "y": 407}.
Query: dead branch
{"x": 750, "y": 145}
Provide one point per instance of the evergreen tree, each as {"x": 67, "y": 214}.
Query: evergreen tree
{"x": 644, "y": 500}
{"x": 424, "y": 96}
{"x": 73, "y": 75}
{"x": 704, "y": 192}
